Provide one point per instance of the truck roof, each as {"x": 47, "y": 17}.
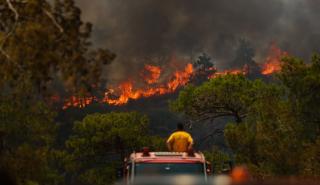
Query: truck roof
{"x": 167, "y": 157}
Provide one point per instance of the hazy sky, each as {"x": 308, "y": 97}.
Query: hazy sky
{"x": 138, "y": 29}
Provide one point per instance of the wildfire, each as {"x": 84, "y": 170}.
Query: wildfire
{"x": 273, "y": 61}
{"x": 244, "y": 71}
{"x": 154, "y": 74}
{"x": 80, "y": 102}
{"x": 153, "y": 86}
{"x": 127, "y": 91}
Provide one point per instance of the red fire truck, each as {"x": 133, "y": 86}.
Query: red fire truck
{"x": 147, "y": 164}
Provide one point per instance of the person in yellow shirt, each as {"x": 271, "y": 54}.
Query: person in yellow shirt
{"x": 180, "y": 140}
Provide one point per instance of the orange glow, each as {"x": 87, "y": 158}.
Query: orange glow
{"x": 127, "y": 91}
{"x": 170, "y": 82}
{"x": 273, "y": 61}
{"x": 243, "y": 71}
{"x": 240, "y": 174}
{"x": 154, "y": 74}
{"x": 80, "y": 102}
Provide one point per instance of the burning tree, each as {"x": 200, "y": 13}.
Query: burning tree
{"x": 204, "y": 67}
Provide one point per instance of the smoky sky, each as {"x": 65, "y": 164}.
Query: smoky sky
{"x": 150, "y": 31}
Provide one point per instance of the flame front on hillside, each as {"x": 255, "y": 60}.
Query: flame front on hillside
{"x": 153, "y": 86}
{"x": 128, "y": 91}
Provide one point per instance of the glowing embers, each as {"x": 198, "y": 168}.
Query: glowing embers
{"x": 244, "y": 71}
{"x": 80, "y": 102}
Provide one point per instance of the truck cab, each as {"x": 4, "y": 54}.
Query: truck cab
{"x": 157, "y": 164}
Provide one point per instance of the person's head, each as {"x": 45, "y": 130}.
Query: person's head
{"x": 180, "y": 126}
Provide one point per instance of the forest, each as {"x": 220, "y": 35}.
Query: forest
{"x": 45, "y": 50}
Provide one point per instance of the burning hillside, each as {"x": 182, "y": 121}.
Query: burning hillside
{"x": 128, "y": 91}
{"x": 132, "y": 89}
{"x": 151, "y": 82}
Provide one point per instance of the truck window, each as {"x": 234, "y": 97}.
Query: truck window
{"x": 155, "y": 169}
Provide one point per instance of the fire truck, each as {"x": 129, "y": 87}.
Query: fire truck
{"x": 148, "y": 164}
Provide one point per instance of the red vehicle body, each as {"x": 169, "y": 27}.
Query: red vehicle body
{"x": 165, "y": 164}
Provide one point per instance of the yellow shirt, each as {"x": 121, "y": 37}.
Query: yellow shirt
{"x": 180, "y": 141}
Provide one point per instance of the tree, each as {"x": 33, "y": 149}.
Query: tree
{"x": 43, "y": 44}
{"x": 244, "y": 54}
{"x": 27, "y": 136}
{"x": 220, "y": 161}
{"x": 280, "y": 135}
{"x": 45, "y": 49}
{"x": 203, "y": 67}
{"x": 224, "y": 96}
{"x": 311, "y": 159}
{"x": 244, "y": 57}
{"x": 203, "y": 62}
{"x": 269, "y": 140}
{"x": 303, "y": 86}
{"x": 101, "y": 141}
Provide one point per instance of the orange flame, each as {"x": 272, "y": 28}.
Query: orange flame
{"x": 154, "y": 74}
{"x": 244, "y": 71}
{"x": 153, "y": 87}
{"x": 273, "y": 62}
{"x": 127, "y": 91}
{"x": 80, "y": 102}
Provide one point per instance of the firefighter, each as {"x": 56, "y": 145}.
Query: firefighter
{"x": 180, "y": 140}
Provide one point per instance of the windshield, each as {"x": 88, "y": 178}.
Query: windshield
{"x": 155, "y": 169}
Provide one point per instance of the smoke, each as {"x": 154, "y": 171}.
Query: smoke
{"x": 151, "y": 31}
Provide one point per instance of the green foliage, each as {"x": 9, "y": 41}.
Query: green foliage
{"x": 101, "y": 141}
{"x": 269, "y": 141}
{"x": 219, "y": 160}
{"x": 311, "y": 159}
{"x": 45, "y": 49}
{"x": 43, "y": 43}
{"x": 302, "y": 82}
{"x": 27, "y": 135}
{"x": 230, "y": 95}
{"x": 280, "y": 123}
{"x": 280, "y": 134}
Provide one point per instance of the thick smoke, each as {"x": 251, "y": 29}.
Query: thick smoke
{"x": 150, "y": 31}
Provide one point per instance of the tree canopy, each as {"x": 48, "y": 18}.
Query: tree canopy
{"x": 223, "y": 96}
{"x": 45, "y": 45}
{"x": 100, "y": 142}
{"x": 276, "y": 127}
{"x": 27, "y": 140}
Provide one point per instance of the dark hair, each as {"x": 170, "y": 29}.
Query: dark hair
{"x": 180, "y": 126}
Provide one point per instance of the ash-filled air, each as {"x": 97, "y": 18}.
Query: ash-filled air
{"x": 151, "y": 31}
